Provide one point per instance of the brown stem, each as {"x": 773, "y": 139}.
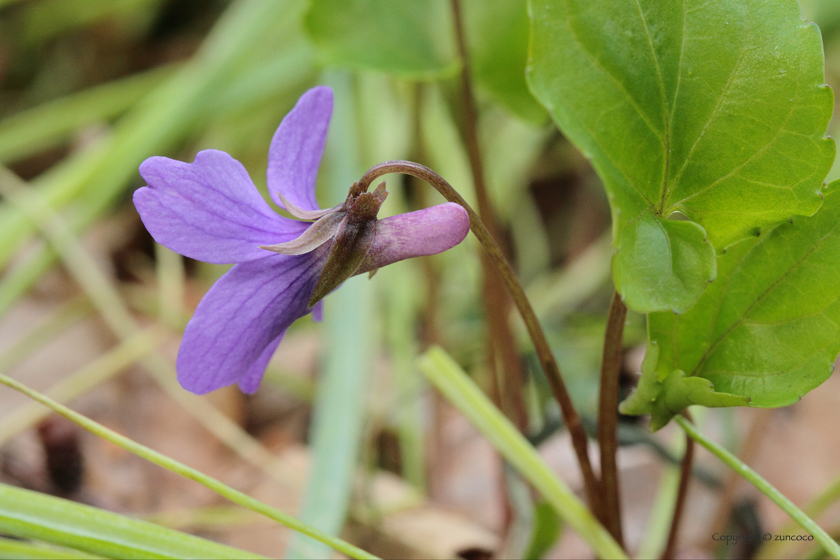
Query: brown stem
{"x": 497, "y": 303}
{"x": 608, "y": 417}
{"x": 552, "y": 371}
{"x": 682, "y": 493}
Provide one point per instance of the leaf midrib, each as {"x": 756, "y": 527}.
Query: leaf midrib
{"x": 666, "y": 117}
{"x": 707, "y": 354}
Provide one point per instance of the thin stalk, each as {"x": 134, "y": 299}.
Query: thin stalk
{"x": 815, "y": 508}
{"x": 682, "y": 493}
{"x": 762, "y": 486}
{"x": 496, "y": 301}
{"x": 181, "y": 469}
{"x": 543, "y": 350}
{"x": 748, "y": 449}
{"x": 608, "y": 417}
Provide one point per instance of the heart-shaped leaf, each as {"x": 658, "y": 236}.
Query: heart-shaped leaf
{"x": 716, "y": 110}
{"x": 768, "y": 331}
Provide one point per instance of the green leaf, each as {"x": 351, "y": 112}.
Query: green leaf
{"x": 668, "y": 395}
{"x": 716, "y": 110}
{"x": 412, "y": 39}
{"x": 497, "y": 36}
{"x": 768, "y": 330}
{"x": 32, "y": 515}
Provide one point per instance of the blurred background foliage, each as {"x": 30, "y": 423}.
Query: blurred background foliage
{"x": 91, "y": 310}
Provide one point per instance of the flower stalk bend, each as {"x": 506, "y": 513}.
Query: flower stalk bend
{"x": 546, "y": 357}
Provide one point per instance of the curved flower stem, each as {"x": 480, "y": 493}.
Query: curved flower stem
{"x": 829, "y": 544}
{"x": 549, "y": 365}
{"x": 682, "y": 493}
{"x": 608, "y": 416}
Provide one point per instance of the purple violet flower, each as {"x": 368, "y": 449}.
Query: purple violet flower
{"x": 211, "y": 211}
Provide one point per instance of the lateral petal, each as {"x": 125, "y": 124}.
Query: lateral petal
{"x": 241, "y": 319}
{"x": 209, "y": 210}
{"x": 296, "y": 150}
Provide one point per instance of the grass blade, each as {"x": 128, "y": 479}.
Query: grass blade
{"x": 50, "y": 123}
{"x": 181, "y": 469}
{"x": 448, "y": 377}
{"x": 13, "y": 549}
{"x": 32, "y": 515}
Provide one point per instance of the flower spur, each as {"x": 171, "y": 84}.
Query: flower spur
{"x": 210, "y": 210}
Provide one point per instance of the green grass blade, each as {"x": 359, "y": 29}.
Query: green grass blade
{"x": 156, "y": 123}
{"x": 46, "y": 125}
{"x": 13, "y": 549}
{"x": 181, "y": 469}
{"x": 32, "y": 515}
{"x": 448, "y": 377}
{"x": 43, "y": 20}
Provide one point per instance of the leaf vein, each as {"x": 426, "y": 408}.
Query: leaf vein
{"x": 759, "y": 299}
{"x": 720, "y": 102}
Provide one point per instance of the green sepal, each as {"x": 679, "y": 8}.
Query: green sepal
{"x": 352, "y": 241}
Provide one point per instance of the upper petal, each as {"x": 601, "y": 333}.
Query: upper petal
{"x": 209, "y": 210}
{"x": 297, "y": 147}
{"x": 415, "y": 234}
{"x": 241, "y": 319}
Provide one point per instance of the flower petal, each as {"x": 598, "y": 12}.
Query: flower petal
{"x": 297, "y": 147}
{"x": 318, "y": 312}
{"x": 231, "y": 336}
{"x": 424, "y": 232}
{"x": 250, "y": 380}
{"x": 209, "y": 210}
